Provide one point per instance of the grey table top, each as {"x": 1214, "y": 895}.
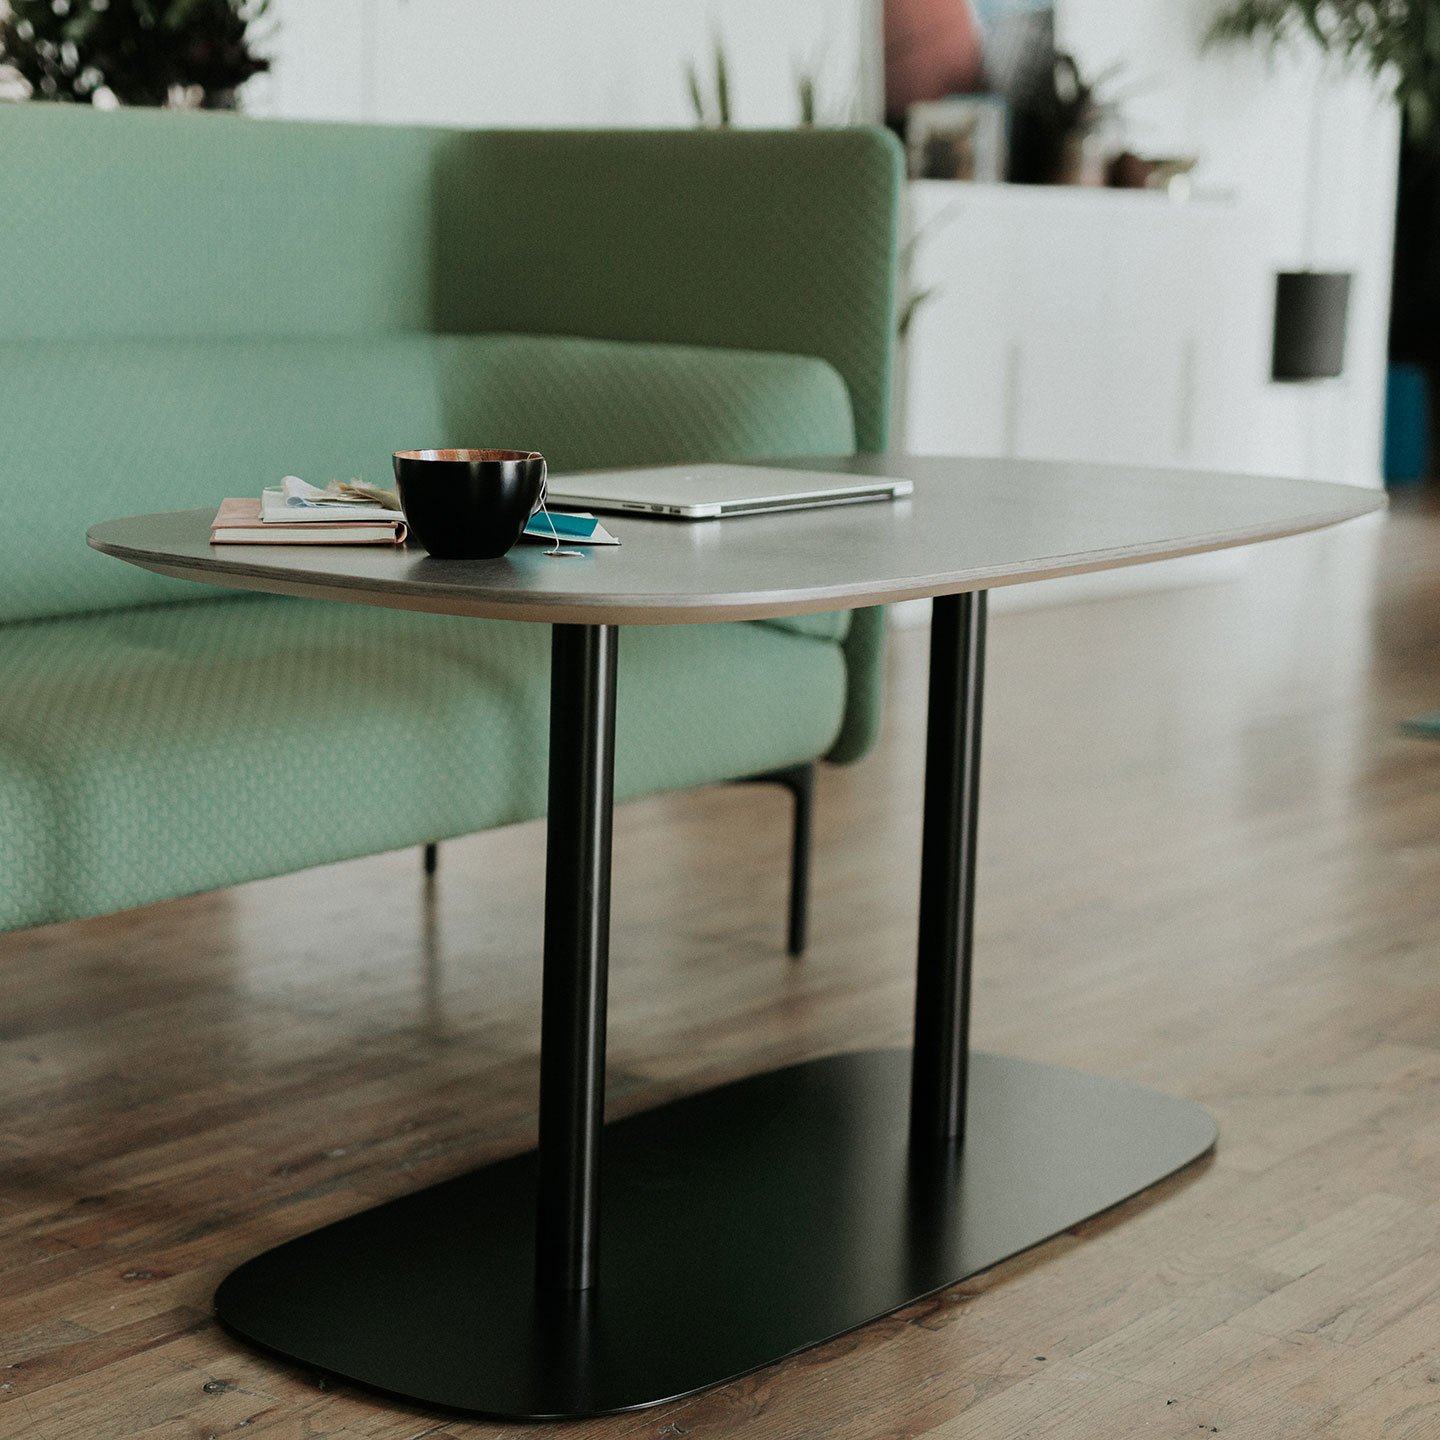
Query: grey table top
{"x": 971, "y": 524}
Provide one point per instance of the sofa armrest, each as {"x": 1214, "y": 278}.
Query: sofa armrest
{"x": 864, "y": 647}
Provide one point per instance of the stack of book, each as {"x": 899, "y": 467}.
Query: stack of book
{"x": 294, "y": 513}
{"x": 298, "y": 514}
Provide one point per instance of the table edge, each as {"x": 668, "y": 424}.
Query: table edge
{"x": 232, "y": 571}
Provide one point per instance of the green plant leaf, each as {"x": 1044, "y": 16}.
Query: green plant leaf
{"x": 805, "y": 87}
{"x": 910, "y": 307}
{"x": 697, "y": 100}
{"x": 1397, "y": 41}
{"x": 722, "y": 84}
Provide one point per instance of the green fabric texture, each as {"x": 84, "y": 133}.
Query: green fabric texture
{"x": 592, "y": 403}
{"x": 144, "y": 222}
{"x": 95, "y": 429}
{"x": 152, "y": 752}
{"x": 194, "y": 305}
{"x": 864, "y": 643}
{"x": 219, "y": 225}
{"x": 742, "y": 239}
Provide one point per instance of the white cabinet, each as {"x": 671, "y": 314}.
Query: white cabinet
{"x": 1111, "y": 326}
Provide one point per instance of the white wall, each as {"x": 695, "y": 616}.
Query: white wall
{"x": 1310, "y": 154}
{"x": 552, "y": 62}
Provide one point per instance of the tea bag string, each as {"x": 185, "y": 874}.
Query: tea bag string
{"x": 555, "y": 552}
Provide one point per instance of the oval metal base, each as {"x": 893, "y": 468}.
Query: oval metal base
{"x": 737, "y": 1227}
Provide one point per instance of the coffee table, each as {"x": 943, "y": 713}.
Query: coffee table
{"x": 618, "y": 1266}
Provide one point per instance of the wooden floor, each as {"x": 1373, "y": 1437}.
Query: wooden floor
{"x": 1210, "y": 862}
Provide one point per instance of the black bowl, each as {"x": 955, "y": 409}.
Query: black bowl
{"x": 469, "y": 504}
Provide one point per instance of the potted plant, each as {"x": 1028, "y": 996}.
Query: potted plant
{"x": 1082, "y": 122}
{"x": 1066, "y": 127}
{"x": 133, "y": 52}
{"x": 1396, "y": 40}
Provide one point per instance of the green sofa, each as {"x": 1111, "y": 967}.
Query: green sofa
{"x": 194, "y": 305}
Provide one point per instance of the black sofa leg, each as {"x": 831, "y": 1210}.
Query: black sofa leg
{"x": 799, "y": 780}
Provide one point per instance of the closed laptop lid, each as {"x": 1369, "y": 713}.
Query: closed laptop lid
{"x": 706, "y": 491}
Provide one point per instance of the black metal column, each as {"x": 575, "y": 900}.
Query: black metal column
{"x": 797, "y": 930}
{"x": 577, "y": 951}
{"x": 940, "y": 1064}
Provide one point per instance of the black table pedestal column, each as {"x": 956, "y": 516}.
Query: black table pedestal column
{"x": 940, "y": 1063}
{"x": 577, "y": 953}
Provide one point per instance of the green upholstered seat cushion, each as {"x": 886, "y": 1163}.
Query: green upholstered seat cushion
{"x": 153, "y": 752}
{"x": 95, "y": 429}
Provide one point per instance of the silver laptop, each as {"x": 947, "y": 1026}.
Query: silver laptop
{"x": 708, "y": 492}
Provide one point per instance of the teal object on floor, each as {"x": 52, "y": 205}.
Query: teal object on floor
{"x": 197, "y": 304}
{"x": 1428, "y": 725}
{"x": 1407, "y": 425}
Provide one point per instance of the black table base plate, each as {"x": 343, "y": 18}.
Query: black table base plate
{"x": 737, "y": 1227}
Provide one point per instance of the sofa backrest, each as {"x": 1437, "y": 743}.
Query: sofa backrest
{"x": 761, "y": 240}
{"x": 107, "y": 427}
{"x": 192, "y": 304}
{"x": 147, "y": 223}
{"x": 168, "y": 424}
